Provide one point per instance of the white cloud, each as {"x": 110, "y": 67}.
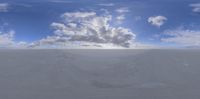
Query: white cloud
{"x": 106, "y": 4}
{"x": 137, "y": 18}
{"x": 182, "y": 36}
{"x": 120, "y": 18}
{"x": 157, "y": 20}
{"x": 60, "y": 1}
{"x": 78, "y": 14}
{"x": 22, "y": 44}
{"x": 105, "y": 11}
{"x": 196, "y": 7}
{"x": 4, "y": 7}
{"x": 6, "y": 39}
{"x": 23, "y": 5}
{"x": 87, "y": 29}
{"x": 122, "y": 10}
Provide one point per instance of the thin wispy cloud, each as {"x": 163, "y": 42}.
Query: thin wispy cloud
{"x": 106, "y": 4}
{"x": 120, "y": 19}
{"x": 23, "y": 5}
{"x": 137, "y": 18}
{"x": 122, "y": 14}
{"x": 60, "y": 1}
{"x": 196, "y": 7}
{"x": 4, "y": 7}
{"x": 122, "y": 10}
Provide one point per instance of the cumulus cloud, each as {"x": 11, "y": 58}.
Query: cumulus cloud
{"x": 87, "y": 29}
{"x": 6, "y": 38}
{"x": 182, "y": 36}
{"x": 157, "y": 20}
{"x": 4, "y": 7}
{"x": 22, "y": 44}
{"x": 196, "y": 7}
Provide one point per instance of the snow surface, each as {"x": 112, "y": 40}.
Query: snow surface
{"x": 100, "y": 74}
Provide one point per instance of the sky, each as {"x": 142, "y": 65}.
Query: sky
{"x": 99, "y": 23}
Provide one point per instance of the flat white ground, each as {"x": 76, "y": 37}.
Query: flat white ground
{"x": 100, "y": 74}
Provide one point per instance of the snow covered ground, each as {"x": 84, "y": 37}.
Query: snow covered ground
{"x": 100, "y": 74}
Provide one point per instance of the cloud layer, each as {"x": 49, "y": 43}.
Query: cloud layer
{"x": 87, "y": 29}
{"x": 183, "y": 36}
{"x": 157, "y": 20}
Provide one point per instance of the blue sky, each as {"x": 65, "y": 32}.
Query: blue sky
{"x": 99, "y": 23}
